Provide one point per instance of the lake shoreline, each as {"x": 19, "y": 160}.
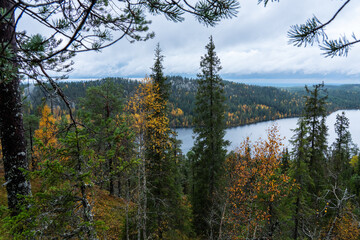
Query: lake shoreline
{"x": 256, "y": 130}
{"x": 262, "y": 121}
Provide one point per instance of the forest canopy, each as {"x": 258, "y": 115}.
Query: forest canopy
{"x": 245, "y": 103}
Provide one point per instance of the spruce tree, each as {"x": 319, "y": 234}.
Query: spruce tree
{"x": 341, "y": 151}
{"x": 162, "y": 189}
{"x": 299, "y": 172}
{"x": 210, "y": 146}
{"x": 309, "y": 164}
{"x": 158, "y": 77}
{"x": 315, "y": 116}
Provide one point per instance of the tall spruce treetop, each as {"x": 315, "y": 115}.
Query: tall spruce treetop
{"x": 341, "y": 148}
{"x": 299, "y": 166}
{"x": 163, "y": 191}
{"x": 309, "y": 163}
{"x": 157, "y": 74}
{"x": 342, "y": 130}
{"x": 210, "y": 96}
{"x": 210, "y": 146}
{"x": 315, "y": 117}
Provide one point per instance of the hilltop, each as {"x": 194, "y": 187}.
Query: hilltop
{"x": 245, "y": 103}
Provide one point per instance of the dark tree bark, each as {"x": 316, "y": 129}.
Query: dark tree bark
{"x": 296, "y": 224}
{"x": 11, "y": 120}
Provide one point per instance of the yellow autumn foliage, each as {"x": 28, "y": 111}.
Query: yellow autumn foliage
{"x": 346, "y": 225}
{"x": 146, "y": 107}
{"x": 177, "y": 112}
{"x": 354, "y": 162}
{"x": 256, "y": 183}
{"x": 46, "y": 134}
{"x": 262, "y": 106}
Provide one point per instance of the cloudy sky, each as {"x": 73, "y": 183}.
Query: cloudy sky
{"x": 253, "y": 45}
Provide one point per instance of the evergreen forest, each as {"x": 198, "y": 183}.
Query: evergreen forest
{"x": 246, "y": 104}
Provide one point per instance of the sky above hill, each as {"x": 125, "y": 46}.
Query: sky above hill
{"x": 254, "y": 45}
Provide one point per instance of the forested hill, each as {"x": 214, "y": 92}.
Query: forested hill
{"x": 339, "y": 97}
{"x": 245, "y": 103}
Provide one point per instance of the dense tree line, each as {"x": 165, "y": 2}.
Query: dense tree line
{"x": 245, "y": 103}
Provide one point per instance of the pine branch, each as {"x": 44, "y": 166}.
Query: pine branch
{"x": 313, "y": 29}
{"x": 338, "y": 47}
{"x": 267, "y": 1}
{"x": 307, "y": 33}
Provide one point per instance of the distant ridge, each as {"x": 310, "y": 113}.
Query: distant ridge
{"x": 245, "y": 103}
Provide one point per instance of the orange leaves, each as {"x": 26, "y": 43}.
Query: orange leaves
{"x": 345, "y": 226}
{"x": 144, "y": 104}
{"x": 256, "y": 184}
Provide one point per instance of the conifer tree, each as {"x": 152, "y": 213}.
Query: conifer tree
{"x": 163, "y": 190}
{"x": 341, "y": 149}
{"x": 285, "y": 160}
{"x": 101, "y": 111}
{"x": 315, "y": 116}
{"x": 64, "y": 202}
{"x": 339, "y": 199}
{"x": 209, "y": 146}
{"x": 309, "y": 164}
{"x": 299, "y": 172}
{"x": 61, "y": 208}
{"x": 159, "y": 195}
{"x": 157, "y": 75}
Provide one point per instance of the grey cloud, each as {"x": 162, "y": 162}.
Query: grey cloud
{"x": 254, "y": 42}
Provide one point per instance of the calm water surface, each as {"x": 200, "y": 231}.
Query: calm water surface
{"x": 236, "y": 135}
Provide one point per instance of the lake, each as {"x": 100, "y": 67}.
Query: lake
{"x": 236, "y": 135}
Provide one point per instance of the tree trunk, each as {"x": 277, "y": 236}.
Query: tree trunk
{"x": 87, "y": 208}
{"x": 127, "y": 194}
{"x": 11, "y": 121}
{"x": 145, "y": 200}
{"x": 139, "y": 206}
{"x": 296, "y": 224}
{"x": 119, "y": 189}
{"x": 111, "y": 178}
{"x": 222, "y": 220}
